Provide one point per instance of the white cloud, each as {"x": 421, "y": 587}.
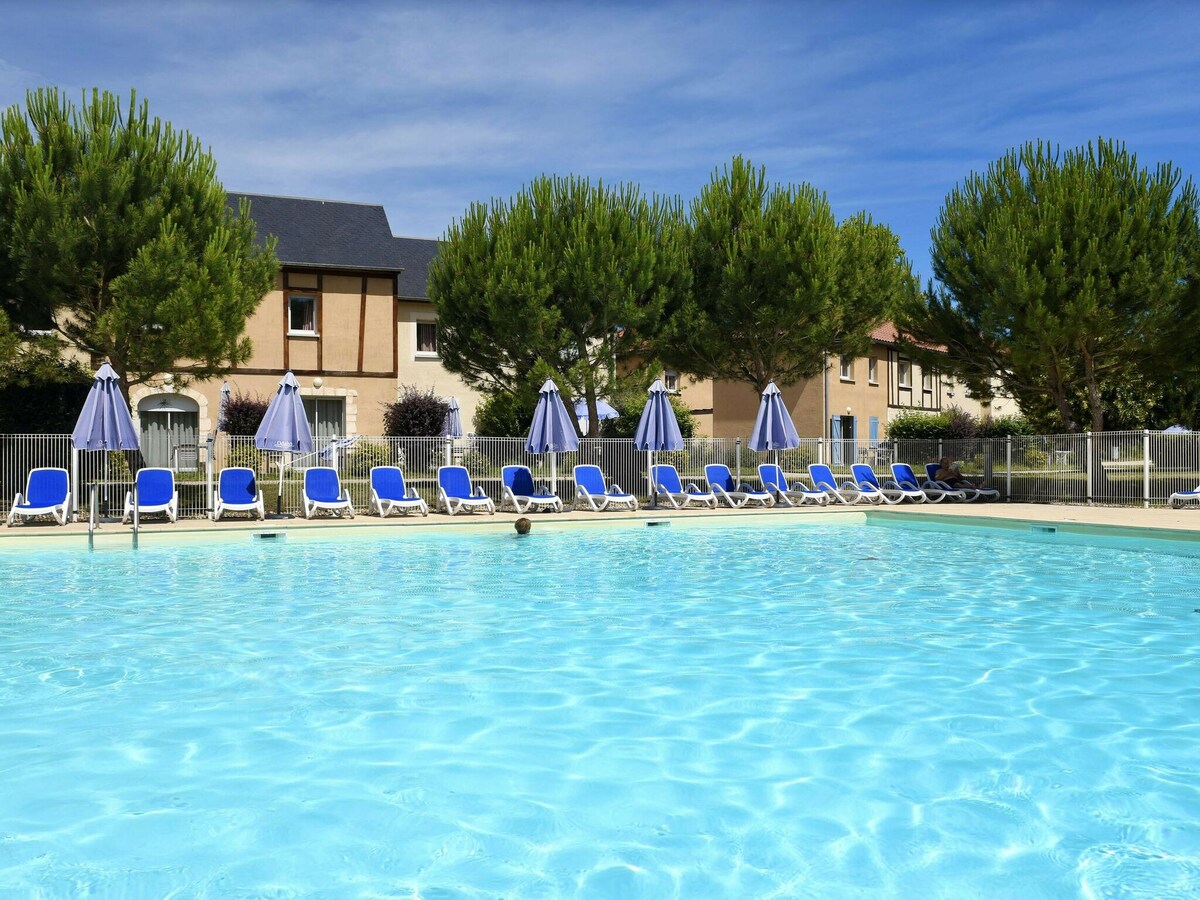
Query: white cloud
{"x": 425, "y": 107}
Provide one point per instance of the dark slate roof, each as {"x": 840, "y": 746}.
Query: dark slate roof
{"x": 416, "y": 254}
{"x": 329, "y": 234}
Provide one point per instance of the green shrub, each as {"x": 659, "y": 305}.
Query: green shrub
{"x": 1002, "y": 426}
{"x": 677, "y": 458}
{"x": 478, "y": 464}
{"x": 118, "y": 466}
{"x": 915, "y": 425}
{"x": 246, "y": 456}
{"x": 953, "y": 424}
{"x": 795, "y": 460}
{"x": 1036, "y": 459}
{"x": 366, "y": 455}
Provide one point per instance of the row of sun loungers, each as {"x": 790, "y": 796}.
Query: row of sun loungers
{"x": 48, "y": 491}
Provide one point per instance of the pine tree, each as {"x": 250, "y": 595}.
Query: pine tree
{"x": 567, "y": 278}
{"x": 115, "y": 233}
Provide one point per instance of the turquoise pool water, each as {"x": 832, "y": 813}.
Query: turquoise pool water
{"x": 651, "y": 712}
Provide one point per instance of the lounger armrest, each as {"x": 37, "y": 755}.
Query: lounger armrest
{"x": 614, "y": 489}
{"x": 479, "y": 492}
{"x": 693, "y": 488}
{"x": 410, "y": 493}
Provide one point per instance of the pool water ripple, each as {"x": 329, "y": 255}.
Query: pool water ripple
{"x": 748, "y": 712}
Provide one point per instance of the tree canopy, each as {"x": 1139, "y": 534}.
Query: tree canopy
{"x": 777, "y": 283}
{"x": 116, "y": 235}
{"x": 1071, "y": 277}
{"x": 575, "y": 276}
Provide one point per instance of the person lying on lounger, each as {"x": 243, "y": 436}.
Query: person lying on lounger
{"x": 948, "y": 473}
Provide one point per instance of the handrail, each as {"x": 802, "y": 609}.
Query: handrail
{"x": 135, "y": 513}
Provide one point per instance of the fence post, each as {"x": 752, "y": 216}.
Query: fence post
{"x": 333, "y": 452}
{"x": 1146, "y": 468}
{"x": 941, "y": 450}
{"x": 737, "y": 455}
{"x": 1090, "y": 464}
{"x": 449, "y": 450}
{"x": 209, "y": 446}
{"x": 1008, "y": 469}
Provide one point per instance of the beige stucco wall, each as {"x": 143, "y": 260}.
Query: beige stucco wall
{"x": 426, "y": 371}
{"x": 731, "y": 407}
{"x": 388, "y": 347}
{"x": 734, "y": 405}
{"x": 697, "y": 394}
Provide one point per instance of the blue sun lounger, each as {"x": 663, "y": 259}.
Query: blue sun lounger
{"x": 721, "y": 483}
{"x": 237, "y": 491}
{"x": 455, "y": 492}
{"x": 848, "y": 492}
{"x": 889, "y": 492}
{"x": 323, "y": 493}
{"x": 519, "y": 492}
{"x": 155, "y": 494}
{"x": 907, "y": 478}
{"x": 972, "y": 493}
{"x": 1180, "y": 499}
{"x": 388, "y": 493}
{"x": 47, "y": 493}
{"x": 671, "y": 489}
{"x": 591, "y": 491}
{"x": 773, "y": 480}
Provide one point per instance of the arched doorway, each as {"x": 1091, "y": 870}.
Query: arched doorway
{"x": 170, "y": 425}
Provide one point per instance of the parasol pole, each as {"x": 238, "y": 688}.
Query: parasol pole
{"x": 650, "y": 478}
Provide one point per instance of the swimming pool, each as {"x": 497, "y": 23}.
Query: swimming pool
{"x": 749, "y": 711}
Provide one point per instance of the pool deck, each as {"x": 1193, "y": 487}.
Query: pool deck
{"x": 1183, "y": 523}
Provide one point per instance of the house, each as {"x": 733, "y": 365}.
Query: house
{"x": 349, "y": 316}
{"x": 855, "y": 400}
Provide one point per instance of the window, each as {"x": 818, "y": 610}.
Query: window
{"x": 846, "y": 369}
{"x": 427, "y": 339}
{"x": 326, "y": 419}
{"x": 904, "y": 373}
{"x": 873, "y": 371}
{"x": 671, "y": 381}
{"x": 302, "y": 314}
{"x": 927, "y": 382}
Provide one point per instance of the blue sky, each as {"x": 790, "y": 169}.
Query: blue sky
{"x": 427, "y": 107}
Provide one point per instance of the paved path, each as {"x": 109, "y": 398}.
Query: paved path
{"x": 1186, "y": 521}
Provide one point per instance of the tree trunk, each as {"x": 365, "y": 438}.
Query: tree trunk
{"x": 1059, "y": 392}
{"x": 1096, "y": 408}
